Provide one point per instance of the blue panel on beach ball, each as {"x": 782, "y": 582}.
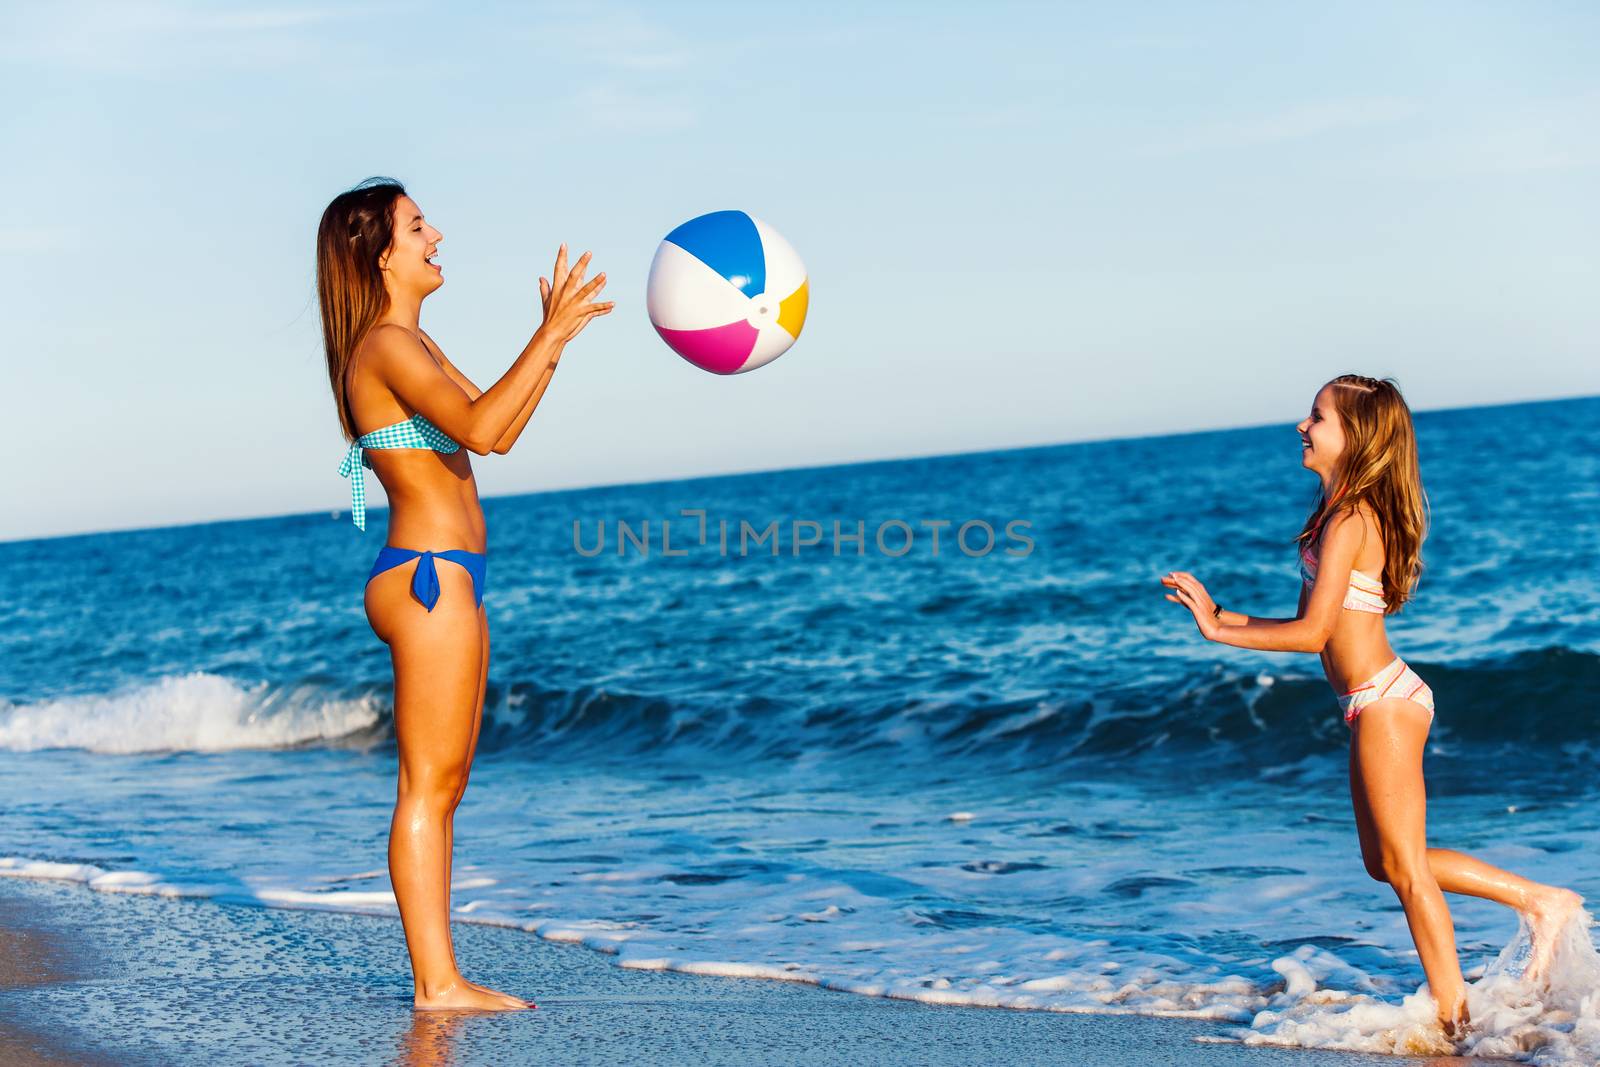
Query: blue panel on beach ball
{"x": 728, "y": 243}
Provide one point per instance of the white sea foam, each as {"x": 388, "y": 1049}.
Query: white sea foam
{"x": 1556, "y": 1021}
{"x": 196, "y": 712}
{"x": 98, "y": 878}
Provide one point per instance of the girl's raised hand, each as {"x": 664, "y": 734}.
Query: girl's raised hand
{"x": 1187, "y": 590}
{"x": 567, "y": 309}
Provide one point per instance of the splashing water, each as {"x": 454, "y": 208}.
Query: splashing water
{"x": 1554, "y": 1021}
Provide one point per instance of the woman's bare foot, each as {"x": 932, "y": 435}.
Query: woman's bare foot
{"x": 494, "y": 992}
{"x": 462, "y": 995}
{"x": 1547, "y": 913}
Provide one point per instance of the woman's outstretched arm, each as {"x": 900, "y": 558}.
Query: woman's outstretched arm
{"x": 408, "y": 368}
{"x": 508, "y": 438}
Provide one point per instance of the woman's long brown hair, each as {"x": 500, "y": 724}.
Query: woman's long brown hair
{"x": 357, "y": 228}
{"x": 1378, "y": 469}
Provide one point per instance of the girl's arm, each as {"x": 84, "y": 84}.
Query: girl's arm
{"x": 1319, "y": 613}
{"x": 1235, "y": 618}
{"x": 1289, "y": 635}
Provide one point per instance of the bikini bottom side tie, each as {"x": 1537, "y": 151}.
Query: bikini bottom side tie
{"x": 425, "y": 582}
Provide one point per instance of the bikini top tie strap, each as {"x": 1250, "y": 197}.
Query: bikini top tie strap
{"x": 351, "y": 467}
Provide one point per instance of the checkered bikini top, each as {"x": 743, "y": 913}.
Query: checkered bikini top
{"x": 415, "y": 432}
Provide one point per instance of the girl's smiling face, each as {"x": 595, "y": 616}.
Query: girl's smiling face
{"x": 1321, "y": 434}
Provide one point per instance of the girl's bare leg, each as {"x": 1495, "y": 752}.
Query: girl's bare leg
{"x": 1387, "y": 775}
{"x": 1545, "y": 907}
{"x": 438, "y": 659}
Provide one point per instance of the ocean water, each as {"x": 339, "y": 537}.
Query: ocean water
{"x": 1005, "y": 778}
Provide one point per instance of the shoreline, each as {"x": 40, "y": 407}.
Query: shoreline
{"x": 195, "y": 980}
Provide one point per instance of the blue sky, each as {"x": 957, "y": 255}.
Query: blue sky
{"x": 1023, "y": 224}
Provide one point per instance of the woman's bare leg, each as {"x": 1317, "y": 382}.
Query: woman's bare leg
{"x": 472, "y": 748}
{"x": 438, "y": 659}
{"x": 1387, "y": 754}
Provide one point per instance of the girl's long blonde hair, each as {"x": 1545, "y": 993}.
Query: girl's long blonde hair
{"x": 357, "y": 228}
{"x": 1378, "y": 469}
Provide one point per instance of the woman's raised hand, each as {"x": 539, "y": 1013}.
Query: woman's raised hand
{"x": 567, "y": 309}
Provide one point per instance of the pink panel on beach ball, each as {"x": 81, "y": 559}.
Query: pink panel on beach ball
{"x": 720, "y": 350}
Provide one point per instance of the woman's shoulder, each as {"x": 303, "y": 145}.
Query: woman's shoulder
{"x": 384, "y": 340}
{"x": 386, "y": 350}
{"x": 367, "y": 376}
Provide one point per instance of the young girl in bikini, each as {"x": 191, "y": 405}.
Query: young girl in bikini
{"x": 1359, "y": 562}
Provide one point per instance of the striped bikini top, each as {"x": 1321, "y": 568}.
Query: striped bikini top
{"x": 1364, "y": 594}
{"x": 415, "y": 432}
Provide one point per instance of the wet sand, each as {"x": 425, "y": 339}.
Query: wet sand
{"x": 33, "y": 955}
{"x": 92, "y": 978}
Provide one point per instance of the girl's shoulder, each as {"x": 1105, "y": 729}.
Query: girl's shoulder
{"x": 1364, "y": 517}
{"x": 1371, "y": 522}
{"x": 1360, "y": 520}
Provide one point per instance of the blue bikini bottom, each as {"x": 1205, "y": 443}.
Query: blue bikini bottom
{"x": 425, "y": 582}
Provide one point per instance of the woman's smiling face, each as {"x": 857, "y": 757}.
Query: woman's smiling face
{"x": 1321, "y": 434}
{"x": 412, "y": 244}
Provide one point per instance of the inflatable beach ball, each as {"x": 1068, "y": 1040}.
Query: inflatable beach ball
{"x": 727, "y": 292}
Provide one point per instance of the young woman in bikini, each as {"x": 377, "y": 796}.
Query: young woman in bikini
{"x": 1360, "y": 558}
{"x": 374, "y": 269}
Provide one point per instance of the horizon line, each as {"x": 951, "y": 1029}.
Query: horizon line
{"x": 340, "y": 512}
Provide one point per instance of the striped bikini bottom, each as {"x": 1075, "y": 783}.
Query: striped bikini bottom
{"x": 1395, "y": 680}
